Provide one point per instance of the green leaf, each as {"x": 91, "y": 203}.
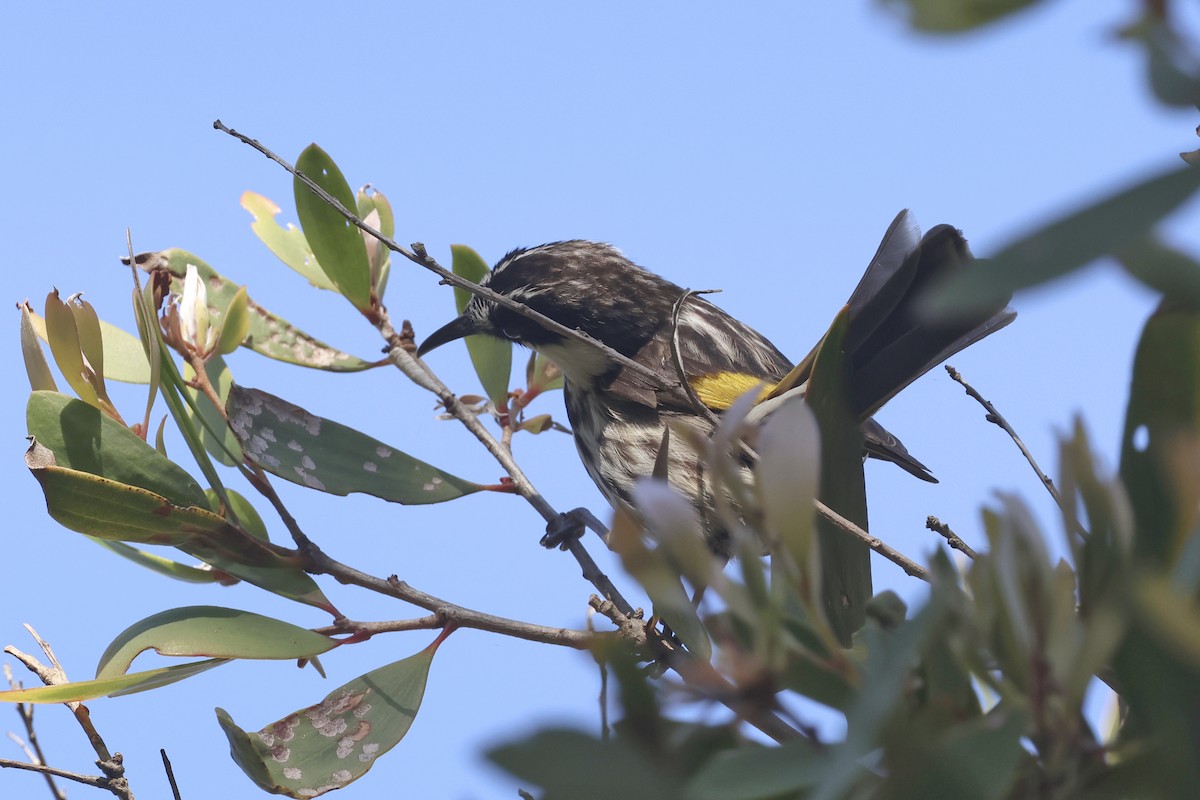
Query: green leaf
{"x": 953, "y": 16}
{"x": 542, "y": 374}
{"x": 491, "y": 357}
{"x": 155, "y": 563}
{"x": 63, "y": 337}
{"x": 845, "y": 561}
{"x": 751, "y": 772}
{"x": 571, "y": 765}
{"x": 1170, "y": 63}
{"x": 1160, "y": 450}
{"x": 321, "y": 454}
{"x": 37, "y": 369}
{"x": 978, "y": 759}
{"x": 890, "y": 656}
{"x": 79, "y": 691}
{"x": 333, "y": 743}
{"x": 210, "y": 631}
{"x": 87, "y": 323}
{"x": 787, "y": 479}
{"x": 150, "y": 339}
{"x": 270, "y": 335}
{"x": 244, "y": 512}
{"x": 337, "y": 244}
{"x": 288, "y": 243}
{"x": 1073, "y": 241}
{"x": 1174, "y": 273}
{"x": 106, "y": 509}
{"x": 83, "y": 439}
{"x": 236, "y": 324}
{"x": 655, "y": 571}
{"x": 375, "y": 210}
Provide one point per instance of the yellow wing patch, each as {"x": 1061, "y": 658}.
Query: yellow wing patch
{"x": 718, "y": 390}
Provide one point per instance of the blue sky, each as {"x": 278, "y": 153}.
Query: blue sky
{"x": 762, "y": 151}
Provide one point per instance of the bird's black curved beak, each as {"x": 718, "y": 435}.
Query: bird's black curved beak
{"x": 457, "y": 328}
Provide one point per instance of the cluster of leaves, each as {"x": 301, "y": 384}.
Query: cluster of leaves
{"x": 102, "y": 478}
{"x": 1171, "y": 68}
{"x": 978, "y": 694}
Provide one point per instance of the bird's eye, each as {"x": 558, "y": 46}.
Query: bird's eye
{"x": 511, "y": 334}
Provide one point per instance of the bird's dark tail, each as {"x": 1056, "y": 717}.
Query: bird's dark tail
{"x": 890, "y": 340}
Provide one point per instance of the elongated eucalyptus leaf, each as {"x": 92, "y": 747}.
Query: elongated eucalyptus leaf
{"x": 953, "y": 16}
{"x": 210, "y": 631}
{"x": 1160, "y": 453}
{"x": 324, "y": 455}
{"x": 86, "y": 440}
{"x": 269, "y": 334}
{"x": 63, "y": 337}
{"x": 37, "y": 369}
{"x": 79, "y": 691}
{"x": 660, "y": 578}
{"x": 335, "y": 742}
{"x": 287, "y": 243}
{"x": 759, "y": 773}
{"x": 1070, "y": 242}
{"x": 375, "y": 210}
{"x": 337, "y": 244}
{"x": 1173, "y": 272}
{"x": 491, "y": 357}
{"x": 890, "y": 655}
{"x": 845, "y": 561}
{"x": 156, "y": 563}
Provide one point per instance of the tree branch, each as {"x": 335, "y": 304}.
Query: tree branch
{"x": 419, "y": 256}
{"x": 997, "y": 418}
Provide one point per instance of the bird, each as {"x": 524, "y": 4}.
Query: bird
{"x": 618, "y": 414}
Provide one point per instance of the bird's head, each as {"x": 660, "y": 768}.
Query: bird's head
{"x": 586, "y": 286}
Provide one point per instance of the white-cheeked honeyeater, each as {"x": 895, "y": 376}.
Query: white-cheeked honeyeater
{"x": 618, "y": 416}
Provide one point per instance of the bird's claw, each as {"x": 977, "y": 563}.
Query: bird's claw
{"x": 564, "y": 528}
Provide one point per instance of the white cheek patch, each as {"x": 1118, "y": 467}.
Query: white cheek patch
{"x": 580, "y": 363}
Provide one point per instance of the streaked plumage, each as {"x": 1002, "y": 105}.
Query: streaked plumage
{"x": 618, "y": 416}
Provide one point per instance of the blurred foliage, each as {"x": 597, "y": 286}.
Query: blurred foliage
{"x": 982, "y": 692}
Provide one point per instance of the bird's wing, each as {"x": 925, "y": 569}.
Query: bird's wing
{"x": 721, "y": 358}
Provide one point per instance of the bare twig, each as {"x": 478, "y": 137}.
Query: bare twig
{"x": 419, "y": 256}
{"x": 96, "y": 781}
{"x": 110, "y": 764}
{"x": 874, "y": 542}
{"x": 444, "y": 613}
{"x": 170, "y": 775}
{"x": 997, "y": 418}
{"x": 420, "y": 374}
{"x": 942, "y": 529}
{"x": 703, "y": 677}
{"x": 33, "y": 747}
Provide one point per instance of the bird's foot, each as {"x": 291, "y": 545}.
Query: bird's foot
{"x": 566, "y": 527}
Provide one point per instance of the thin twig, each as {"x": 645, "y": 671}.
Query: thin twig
{"x": 419, "y": 256}
{"x": 874, "y": 542}
{"x": 703, "y": 677}
{"x": 170, "y": 775}
{"x": 96, "y": 781}
{"x": 444, "y": 612}
{"x": 997, "y": 418}
{"x": 111, "y": 764}
{"x": 32, "y": 746}
{"x": 953, "y": 539}
{"x": 419, "y": 372}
